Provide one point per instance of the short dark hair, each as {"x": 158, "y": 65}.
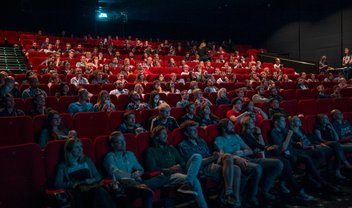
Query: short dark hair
{"x": 277, "y": 116}
{"x": 185, "y": 125}
{"x": 235, "y": 100}
{"x": 222, "y": 125}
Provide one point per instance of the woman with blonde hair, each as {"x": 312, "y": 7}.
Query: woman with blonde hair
{"x": 78, "y": 174}
{"x": 104, "y": 104}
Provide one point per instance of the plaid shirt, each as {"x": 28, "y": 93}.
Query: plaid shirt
{"x": 188, "y": 148}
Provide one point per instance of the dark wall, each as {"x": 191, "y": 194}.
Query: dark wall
{"x": 321, "y": 28}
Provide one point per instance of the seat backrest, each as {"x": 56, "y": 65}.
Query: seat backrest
{"x": 22, "y": 176}
{"x": 91, "y": 124}
{"x": 115, "y": 119}
{"x": 288, "y": 94}
{"x": 211, "y": 132}
{"x": 308, "y": 107}
{"x": 16, "y": 130}
{"x": 325, "y": 105}
{"x": 65, "y": 101}
{"x": 343, "y": 104}
{"x": 265, "y": 126}
{"x": 101, "y": 148}
{"x": 304, "y": 94}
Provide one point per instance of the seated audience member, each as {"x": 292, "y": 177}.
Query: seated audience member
{"x": 164, "y": 118}
{"x": 78, "y": 78}
{"x": 8, "y": 107}
{"x": 82, "y": 105}
{"x": 343, "y": 83}
{"x": 275, "y": 108}
{"x": 184, "y": 99}
{"x": 277, "y": 64}
{"x": 281, "y": 136}
{"x": 63, "y": 90}
{"x": 171, "y": 87}
{"x": 259, "y": 97}
{"x": 78, "y": 173}
{"x": 123, "y": 165}
{"x": 240, "y": 92}
{"x": 192, "y": 86}
{"x": 206, "y": 117}
{"x": 33, "y": 89}
{"x": 154, "y": 100}
{"x": 54, "y": 80}
{"x": 210, "y": 86}
{"x": 165, "y": 158}
{"x": 229, "y": 142}
{"x": 139, "y": 89}
{"x": 328, "y": 148}
{"x": 253, "y": 137}
{"x": 9, "y": 87}
{"x": 141, "y": 79}
{"x": 223, "y": 78}
{"x": 216, "y": 166}
{"x": 301, "y": 84}
{"x": 190, "y": 108}
{"x": 199, "y": 100}
{"x": 129, "y": 124}
{"x": 274, "y": 94}
{"x": 54, "y": 130}
{"x": 135, "y": 102}
{"x": 222, "y": 97}
{"x": 98, "y": 78}
{"x": 257, "y": 113}
{"x": 38, "y": 106}
{"x": 235, "y": 114}
{"x": 321, "y": 92}
{"x": 342, "y": 127}
{"x": 119, "y": 88}
{"x": 337, "y": 92}
{"x": 104, "y": 103}
{"x": 157, "y": 86}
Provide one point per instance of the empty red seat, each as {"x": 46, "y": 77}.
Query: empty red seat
{"x": 211, "y": 132}
{"x": 177, "y": 113}
{"x": 265, "y": 126}
{"x": 16, "y": 130}
{"x": 325, "y": 105}
{"x": 22, "y": 176}
{"x": 343, "y": 104}
{"x": 308, "y": 107}
{"x": 304, "y": 94}
{"x": 288, "y": 94}
{"x": 310, "y": 123}
{"x": 221, "y": 110}
{"x": 91, "y": 124}
{"x": 291, "y": 106}
{"x": 346, "y": 92}
{"x": 122, "y": 102}
{"x": 172, "y": 99}
{"x": 92, "y": 88}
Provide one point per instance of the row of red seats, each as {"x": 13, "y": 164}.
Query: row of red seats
{"x": 29, "y": 171}
{"x": 100, "y": 123}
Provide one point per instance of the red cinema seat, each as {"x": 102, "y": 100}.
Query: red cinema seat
{"x": 16, "y": 130}
{"x": 143, "y": 140}
{"x": 122, "y": 102}
{"x": 304, "y": 94}
{"x": 308, "y": 107}
{"x": 222, "y": 110}
{"x": 177, "y": 136}
{"x": 107, "y": 87}
{"x": 38, "y": 125}
{"x": 91, "y": 124}
{"x": 343, "y": 104}
{"x": 22, "y": 176}
{"x": 347, "y": 116}
{"x": 265, "y": 126}
{"x": 66, "y": 120}
{"x": 146, "y": 117}
{"x": 325, "y": 105}
{"x": 291, "y": 106}
{"x": 92, "y": 88}
{"x": 288, "y": 85}
{"x": 115, "y": 119}
{"x": 65, "y": 101}
{"x": 310, "y": 123}
{"x": 288, "y": 94}
{"x": 172, "y": 99}
{"x": 211, "y": 132}
{"x": 346, "y": 92}
{"x": 177, "y": 113}
{"x": 101, "y": 147}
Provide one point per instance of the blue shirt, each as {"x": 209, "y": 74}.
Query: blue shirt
{"x": 77, "y": 107}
